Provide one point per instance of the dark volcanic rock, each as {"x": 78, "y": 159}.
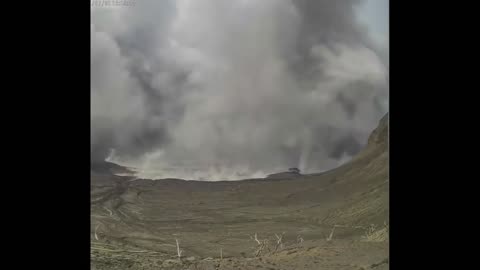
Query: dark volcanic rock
{"x": 106, "y": 167}
{"x": 283, "y": 175}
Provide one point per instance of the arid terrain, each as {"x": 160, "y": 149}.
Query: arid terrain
{"x": 334, "y": 220}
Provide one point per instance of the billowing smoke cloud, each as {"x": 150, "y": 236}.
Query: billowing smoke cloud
{"x": 220, "y": 89}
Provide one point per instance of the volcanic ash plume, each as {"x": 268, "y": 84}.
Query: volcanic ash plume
{"x": 220, "y": 89}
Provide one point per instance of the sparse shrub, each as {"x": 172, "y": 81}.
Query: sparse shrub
{"x": 374, "y": 235}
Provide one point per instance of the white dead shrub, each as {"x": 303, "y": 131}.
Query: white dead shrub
{"x": 299, "y": 239}
{"x": 374, "y": 235}
{"x": 262, "y": 245}
{"x": 179, "y": 251}
{"x": 95, "y": 232}
{"x": 330, "y": 237}
{"x": 279, "y": 241}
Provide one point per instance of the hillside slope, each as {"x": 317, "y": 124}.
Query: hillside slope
{"x": 135, "y": 223}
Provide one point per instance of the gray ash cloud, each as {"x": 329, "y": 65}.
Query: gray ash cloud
{"x": 231, "y": 87}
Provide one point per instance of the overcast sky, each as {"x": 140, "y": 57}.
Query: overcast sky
{"x": 216, "y": 89}
{"x": 375, "y": 14}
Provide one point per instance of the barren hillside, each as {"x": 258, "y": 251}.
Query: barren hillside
{"x": 334, "y": 220}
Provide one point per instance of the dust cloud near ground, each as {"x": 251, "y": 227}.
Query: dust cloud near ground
{"x": 335, "y": 220}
